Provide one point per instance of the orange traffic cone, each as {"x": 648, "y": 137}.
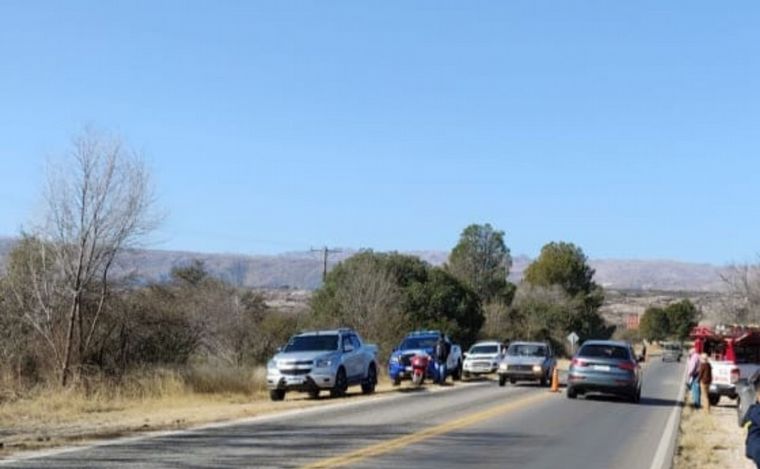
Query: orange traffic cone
{"x": 555, "y": 380}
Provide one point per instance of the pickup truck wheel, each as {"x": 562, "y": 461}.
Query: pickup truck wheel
{"x": 277, "y": 394}
{"x": 314, "y": 393}
{"x": 571, "y": 393}
{"x": 368, "y": 386}
{"x": 502, "y": 380}
{"x": 396, "y": 381}
{"x": 713, "y": 399}
{"x": 341, "y": 384}
{"x": 458, "y": 372}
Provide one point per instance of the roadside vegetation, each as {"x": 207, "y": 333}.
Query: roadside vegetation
{"x": 81, "y": 337}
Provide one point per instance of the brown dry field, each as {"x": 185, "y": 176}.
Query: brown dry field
{"x": 55, "y": 418}
{"x": 713, "y": 441}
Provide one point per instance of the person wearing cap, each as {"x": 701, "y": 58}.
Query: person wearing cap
{"x": 705, "y": 380}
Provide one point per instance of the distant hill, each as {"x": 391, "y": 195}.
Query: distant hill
{"x": 303, "y": 270}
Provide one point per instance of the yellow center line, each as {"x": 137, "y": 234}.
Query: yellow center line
{"x": 387, "y": 446}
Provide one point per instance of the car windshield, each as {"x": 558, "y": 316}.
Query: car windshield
{"x": 526, "y": 350}
{"x": 604, "y": 351}
{"x": 312, "y": 343}
{"x": 672, "y": 347}
{"x": 484, "y": 349}
{"x": 418, "y": 342}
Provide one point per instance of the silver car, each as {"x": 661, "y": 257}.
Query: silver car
{"x": 323, "y": 360}
{"x": 527, "y": 361}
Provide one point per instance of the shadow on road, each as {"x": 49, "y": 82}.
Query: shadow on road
{"x": 645, "y": 401}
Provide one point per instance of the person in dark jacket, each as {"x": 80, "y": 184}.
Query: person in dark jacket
{"x": 705, "y": 380}
{"x": 442, "y": 350}
{"x": 752, "y": 450}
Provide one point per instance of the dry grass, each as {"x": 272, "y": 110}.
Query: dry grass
{"x": 146, "y": 401}
{"x": 711, "y": 441}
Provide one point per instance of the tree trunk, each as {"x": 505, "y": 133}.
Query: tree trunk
{"x": 66, "y": 371}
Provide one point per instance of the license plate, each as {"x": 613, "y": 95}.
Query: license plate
{"x": 601, "y": 368}
{"x": 295, "y": 380}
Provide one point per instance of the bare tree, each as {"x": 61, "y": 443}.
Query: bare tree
{"x": 370, "y": 302}
{"x": 742, "y": 304}
{"x": 97, "y": 204}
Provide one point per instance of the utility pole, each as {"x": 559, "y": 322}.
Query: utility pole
{"x": 325, "y": 253}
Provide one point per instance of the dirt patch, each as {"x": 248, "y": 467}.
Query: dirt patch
{"x": 713, "y": 441}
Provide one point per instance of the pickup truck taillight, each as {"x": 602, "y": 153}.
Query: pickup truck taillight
{"x": 735, "y": 375}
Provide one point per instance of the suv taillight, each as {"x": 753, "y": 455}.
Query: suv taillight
{"x": 630, "y": 366}
{"x": 578, "y": 362}
{"x": 735, "y": 375}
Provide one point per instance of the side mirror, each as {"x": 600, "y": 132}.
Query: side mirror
{"x": 348, "y": 348}
{"x": 278, "y": 349}
{"x": 395, "y": 349}
{"x": 465, "y": 354}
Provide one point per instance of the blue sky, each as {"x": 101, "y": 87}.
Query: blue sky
{"x": 629, "y": 128}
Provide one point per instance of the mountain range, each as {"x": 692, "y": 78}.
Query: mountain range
{"x": 303, "y": 270}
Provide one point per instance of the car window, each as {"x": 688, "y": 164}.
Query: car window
{"x": 346, "y": 342}
{"x": 358, "y": 340}
{"x": 526, "y": 350}
{"x": 312, "y": 343}
{"x": 604, "y": 351}
{"x": 484, "y": 349}
{"x": 747, "y": 354}
{"x": 355, "y": 340}
{"x": 418, "y": 342}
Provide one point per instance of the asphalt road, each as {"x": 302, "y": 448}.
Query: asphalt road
{"x": 476, "y": 425}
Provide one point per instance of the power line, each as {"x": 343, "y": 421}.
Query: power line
{"x": 325, "y": 253}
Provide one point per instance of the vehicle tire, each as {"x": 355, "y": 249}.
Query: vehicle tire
{"x": 277, "y": 394}
{"x": 465, "y": 375}
{"x": 571, "y": 393}
{"x": 396, "y": 381}
{"x": 713, "y": 399}
{"x": 314, "y": 393}
{"x": 368, "y": 386}
{"x": 457, "y": 375}
{"x": 341, "y": 384}
{"x": 513, "y": 381}
{"x": 502, "y": 380}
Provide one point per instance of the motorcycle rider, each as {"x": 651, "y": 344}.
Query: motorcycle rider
{"x": 442, "y": 350}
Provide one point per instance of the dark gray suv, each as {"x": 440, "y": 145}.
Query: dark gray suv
{"x": 606, "y": 367}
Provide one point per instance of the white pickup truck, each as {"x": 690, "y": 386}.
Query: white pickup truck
{"x": 734, "y": 354}
{"x": 726, "y": 373}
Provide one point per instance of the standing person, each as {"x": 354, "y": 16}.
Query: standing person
{"x": 441, "y": 356}
{"x": 705, "y": 380}
{"x": 692, "y": 372}
{"x": 752, "y": 420}
{"x": 644, "y": 350}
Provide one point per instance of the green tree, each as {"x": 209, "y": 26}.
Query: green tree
{"x": 481, "y": 260}
{"x": 562, "y": 264}
{"x": 563, "y": 295}
{"x": 654, "y": 324}
{"x": 682, "y": 317}
{"x": 384, "y": 295}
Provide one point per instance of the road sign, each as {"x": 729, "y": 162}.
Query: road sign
{"x": 573, "y": 339}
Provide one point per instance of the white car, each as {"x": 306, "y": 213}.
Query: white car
{"x": 483, "y": 358}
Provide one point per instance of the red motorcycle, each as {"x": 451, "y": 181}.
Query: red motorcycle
{"x": 419, "y": 368}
